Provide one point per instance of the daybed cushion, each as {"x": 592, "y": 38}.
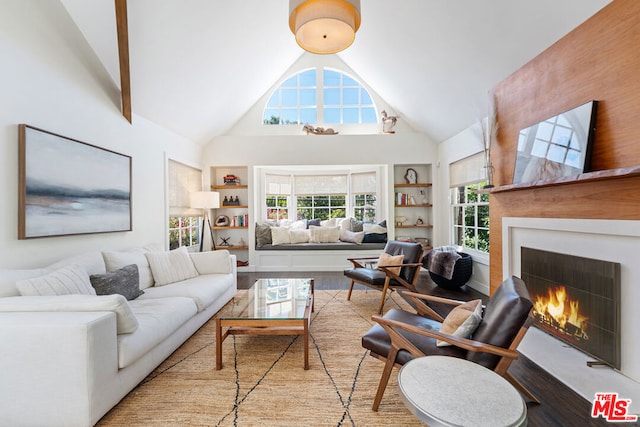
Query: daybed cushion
{"x": 172, "y": 266}
{"x": 323, "y": 246}
{"x": 125, "y": 319}
{"x": 299, "y": 236}
{"x": 115, "y": 260}
{"x": 198, "y": 288}
{"x": 157, "y": 318}
{"x": 71, "y": 279}
{"x": 211, "y": 262}
{"x": 124, "y": 281}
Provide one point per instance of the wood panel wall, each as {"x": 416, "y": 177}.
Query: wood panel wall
{"x": 598, "y": 60}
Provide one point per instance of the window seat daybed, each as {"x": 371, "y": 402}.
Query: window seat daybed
{"x": 322, "y": 246}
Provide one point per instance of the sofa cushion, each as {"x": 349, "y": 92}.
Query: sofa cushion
{"x": 211, "y": 262}
{"x": 72, "y": 279}
{"x": 172, "y": 266}
{"x": 124, "y": 281}
{"x": 204, "y": 290}
{"x": 125, "y": 319}
{"x": 157, "y": 319}
{"x": 9, "y": 278}
{"x": 115, "y": 260}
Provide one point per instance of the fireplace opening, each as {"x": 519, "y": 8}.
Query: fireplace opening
{"x": 577, "y": 300}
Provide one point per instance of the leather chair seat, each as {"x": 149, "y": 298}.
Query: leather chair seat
{"x": 370, "y": 276}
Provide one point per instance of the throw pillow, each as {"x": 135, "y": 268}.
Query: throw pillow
{"x": 263, "y": 235}
{"x": 462, "y": 321}
{"x": 125, "y": 281}
{"x": 212, "y": 262}
{"x": 172, "y": 266}
{"x": 386, "y": 259}
{"x": 324, "y": 234}
{"x": 356, "y": 225}
{"x": 375, "y": 238}
{"x": 299, "y": 224}
{"x": 332, "y": 222}
{"x": 299, "y": 236}
{"x": 351, "y": 236}
{"x": 369, "y": 227}
{"x": 280, "y": 235}
{"x": 315, "y": 222}
{"x": 68, "y": 280}
{"x": 115, "y": 260}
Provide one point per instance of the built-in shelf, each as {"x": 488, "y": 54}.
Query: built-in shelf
{"x": 228, "y": 187}
{"x": 233, "y": 207}
{"x": 232, "y": 248}
{"x": 574, "y": 179}
{"x": 414, "y": 226}
{"x": 228, "y": 228}
{"x": 419, "y": 205}
{"x": 424, "y": 184}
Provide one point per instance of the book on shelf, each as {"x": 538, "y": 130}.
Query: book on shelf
{"x": 405, "y": 199}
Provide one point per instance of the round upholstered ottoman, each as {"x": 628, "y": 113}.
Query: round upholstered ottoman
{"x": 461, "y": 273}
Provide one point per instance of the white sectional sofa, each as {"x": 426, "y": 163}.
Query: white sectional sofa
{"x": 67, "y": 359}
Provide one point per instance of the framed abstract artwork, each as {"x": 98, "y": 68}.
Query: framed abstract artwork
{"x": 69, "y": 187}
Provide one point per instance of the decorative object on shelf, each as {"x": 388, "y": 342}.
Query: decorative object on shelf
{"x": 318, "y": 130}
{"x": 231, "y": 180}
{"x": 489, "y": 128}
{"x": 419, "y": 221}
{"x": 423, "y": 197}
{"x": 70, "y": 187}
{"x": 324, "y": 26}
{"x": 242, "y": 263}
{"x": 400, "y": 220}
{"x": 222, "y": 221}
{"x": 205, "y": 200}
{"x": 230, "y": 201}
{"x": 388, "y": 122}
{"x": 411, "y": 176}
{"x": 224, "y": 242}
{"x": 423, "y": 241}
{"x": 241, "y": 242}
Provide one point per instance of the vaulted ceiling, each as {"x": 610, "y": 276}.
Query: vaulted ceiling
{"x": 197, "y": 66}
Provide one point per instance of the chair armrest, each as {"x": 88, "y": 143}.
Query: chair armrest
{"x": 392, "y": 275}
{"x": 465, "y": 343}
{"x": 356, "y": 261}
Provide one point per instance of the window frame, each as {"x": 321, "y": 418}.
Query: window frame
{"x": 458, "y": 230}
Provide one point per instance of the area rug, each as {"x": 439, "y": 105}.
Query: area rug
{"x": 263, "y": 381}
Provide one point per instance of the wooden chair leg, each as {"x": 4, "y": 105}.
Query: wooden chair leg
{"x": 384, "y": 380}
{"x": 517, "y": 384}
{"x": 384, "y": 295}
{"x": 350, "y": 290}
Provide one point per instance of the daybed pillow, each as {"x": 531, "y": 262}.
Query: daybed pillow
{"x": 299, "y": 236}
{"x": 280, "y": 236}
{"x": 332, "y": 222}
{"x": 462, "y": 321}
{"x": 115, "y": 260}
{"x": 212, "y": 262}
{"x": 324, "y": 234}
{"x": 370, "y": 227}
{"x": 263, "y": 235}
{"x": 351, "y": 236}
{"x": 126, "y": 321}
{"x": 315, "y": 222}
{"x": 375, "y": 233}
{"x": 386, "y": 259}
{"x": 71, "y": 279}
{"x": 172, "y": 266}
{"x": 124, "y": 281}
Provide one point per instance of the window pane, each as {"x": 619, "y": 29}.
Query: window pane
{"x": 289, "y": 97}
{"x": 322, "y": 213}
{"x": 350, "y": 96}
{"x": 350, "y": 115}
{"x": 331, "y": 115}
{"x": 369, "y": 115}
{"x": 271, "y": 117}
{"x": 308, "y": 78}
{"x": 289, "y": 116}
{"x": 348, "y": 81}
{"x": 331, "y": 78}
{"x": 291, "y": 82}
{"x": 332, "y": 97}
{"x": 308, "y": 115}
{"x": 366, "y": 99}
{"x": 274, "y": 101}
{"x": 308, "y": 97}
{"x": 305, "y": 213}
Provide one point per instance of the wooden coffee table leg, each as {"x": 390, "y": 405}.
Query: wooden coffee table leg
{"x": 306, "y": 343}
{"x": 218, "y": 344}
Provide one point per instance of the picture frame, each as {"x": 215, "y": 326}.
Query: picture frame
{"x": 69, "y": 187}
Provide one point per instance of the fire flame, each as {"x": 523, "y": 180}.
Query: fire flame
{"x": 561, "y": 309}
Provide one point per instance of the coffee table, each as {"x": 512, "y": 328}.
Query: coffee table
{"x": 269, "y": 307}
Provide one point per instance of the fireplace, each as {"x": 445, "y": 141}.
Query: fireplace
{"x": 577, "y": 300}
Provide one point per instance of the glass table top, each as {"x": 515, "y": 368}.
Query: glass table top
{"x": 272, "y": 299}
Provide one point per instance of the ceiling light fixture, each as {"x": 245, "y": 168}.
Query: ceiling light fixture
{"x": 324, "y": 26}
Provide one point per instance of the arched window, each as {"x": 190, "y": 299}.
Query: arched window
{"x": 296, "y": 100}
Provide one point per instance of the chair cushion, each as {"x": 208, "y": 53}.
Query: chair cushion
{"x": 377, "y": 340}
{"x": 369, "y": 276}
{"x": 411, "y": 252}
{"x": 504, "y": 315}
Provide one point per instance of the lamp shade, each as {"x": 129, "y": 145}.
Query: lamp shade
{"x": 205, "y": 199}
{"x": 324, "y": 26}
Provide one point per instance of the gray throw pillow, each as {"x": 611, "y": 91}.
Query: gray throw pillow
{"x": 263, "y": 235}
{"x": 125, "y": 281}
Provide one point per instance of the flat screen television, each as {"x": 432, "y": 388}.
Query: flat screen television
{"x": 556, "y": 147}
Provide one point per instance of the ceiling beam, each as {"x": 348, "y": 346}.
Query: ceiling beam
{"x": 123, "y": 54}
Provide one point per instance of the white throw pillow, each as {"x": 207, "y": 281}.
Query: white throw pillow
{"x": 351, "y": 236}
{"x": 329, "y": 222}
{"x": 369, "y": 227}
{"x": 126, "y": 320}
{"x": 324, "y": 234}
{"x": 300, "y": 224}
{"x": 68, "y": 280}
{"x": 115, "y": 260}
{"x": 299, "y": 236}
{"x": 280, "y": 236}
{"x": 212, "y": 262}
{"x": 345, "y": 224}
{"x": 172, "y": 266}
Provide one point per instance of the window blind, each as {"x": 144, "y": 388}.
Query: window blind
{"x": 363, "y": 183}
{"x": 469, "y": 170}
{"x": 276, "y": 185}
{"x": 320, "y": 184}
{"x": 183, "y": 180}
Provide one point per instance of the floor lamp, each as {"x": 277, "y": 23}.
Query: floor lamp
{"x": 205, "y": 200}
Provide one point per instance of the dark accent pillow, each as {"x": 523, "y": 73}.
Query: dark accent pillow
{"x": 263, "y": 235}
{"x": 375, "y": 238}
{"x": 125, "y": 281}
{"x": 356, "y": 225}
{"x": 315, "y": 222}
{"x": 383, "y": 223}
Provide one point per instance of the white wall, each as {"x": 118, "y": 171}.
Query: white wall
{"x": 464, "y": 144}
{"x": 50, "y": 79}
